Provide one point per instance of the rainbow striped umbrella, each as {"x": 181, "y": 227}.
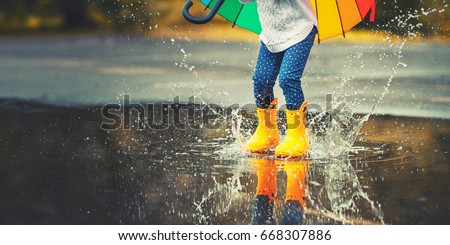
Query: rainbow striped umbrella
{"x": 334, "y": 17}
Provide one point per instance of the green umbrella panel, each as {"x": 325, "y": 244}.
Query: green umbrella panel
{"x": 243, "y": 15}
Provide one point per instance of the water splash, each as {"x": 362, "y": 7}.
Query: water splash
{"x": 346, "y": 124}
{"x": 200, "y": 85}
{"x": 223, "y": 198}
{"x": 345, "y": 195}
{"x": 340, "y": 196}
{"x": 338, "y": 191}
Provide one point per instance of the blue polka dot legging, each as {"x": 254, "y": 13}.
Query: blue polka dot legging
{"x": 288, "y": 66}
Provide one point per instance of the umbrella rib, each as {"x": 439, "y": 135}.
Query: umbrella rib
{"x": 237, "y": 16}
{"x": 359, "y": 10}
{"x": 317, "y": 16}
{"x": 340, "y": 18}
{"x": 209, "y": 3}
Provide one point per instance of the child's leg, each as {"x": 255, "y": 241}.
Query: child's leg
{"x": 292, "y": 67}
{"x": 266, "y": 72}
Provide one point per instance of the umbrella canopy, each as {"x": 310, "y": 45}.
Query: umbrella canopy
{"x": 334, "y": 17}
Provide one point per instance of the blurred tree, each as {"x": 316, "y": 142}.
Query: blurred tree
{"x": 125, "y": 15}
{"x": 411, "y": 16}
{"x": 74, "y": 13}
{"x": 435, "y": 17}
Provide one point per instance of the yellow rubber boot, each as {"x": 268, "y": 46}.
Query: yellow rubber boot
{"x": 297, "y": 176}
{"x": 266, "y": 192}
{"x": 266, "y": 136}
{"x": 296, "y": 142}
{"x": 267, "y": 179}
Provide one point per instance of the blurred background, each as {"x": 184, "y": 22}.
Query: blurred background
{"x": 156, "y": 17}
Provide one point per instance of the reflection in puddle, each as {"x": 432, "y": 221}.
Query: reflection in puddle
{"x": 59, "y": 167}
{"x": 294, "y": 201}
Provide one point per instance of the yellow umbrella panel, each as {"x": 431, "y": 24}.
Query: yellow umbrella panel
{"x": 336, "y": 17}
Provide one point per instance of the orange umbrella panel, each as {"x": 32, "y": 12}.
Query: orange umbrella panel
{"x": 336, "y": 17}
